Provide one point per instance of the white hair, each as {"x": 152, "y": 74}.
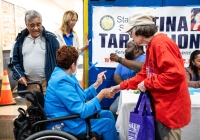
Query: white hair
{"x": 30, "y": 14}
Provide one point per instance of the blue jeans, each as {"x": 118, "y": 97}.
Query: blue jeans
{"x": 114, "y": 105}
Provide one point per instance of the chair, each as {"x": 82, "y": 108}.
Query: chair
{"x": 31, "y": 124}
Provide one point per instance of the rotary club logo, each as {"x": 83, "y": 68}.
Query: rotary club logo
{"x": 107, "y": 22}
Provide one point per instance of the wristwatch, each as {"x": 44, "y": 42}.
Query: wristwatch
{"x": 119, "y": 59}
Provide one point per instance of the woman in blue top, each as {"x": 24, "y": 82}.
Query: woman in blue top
{"x": 64, "y": 97}
{"x": 66, "y": 34}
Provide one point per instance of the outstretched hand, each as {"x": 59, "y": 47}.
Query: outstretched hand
{"x": 107, "y": 93}
{"x": 86, "y": 45}
{"x": 87, "y": 41}
{"x": 115, "y": 89}
{"x": 101, "y": 76}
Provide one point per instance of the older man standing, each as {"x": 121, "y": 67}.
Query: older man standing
{"x": 33, "y": 57}
{"x": 162, "y": 75}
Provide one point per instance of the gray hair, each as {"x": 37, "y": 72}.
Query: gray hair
{"x": 145, "y": 30}
{"x": 30, "y": 14}
{"x": 135, "y": 28}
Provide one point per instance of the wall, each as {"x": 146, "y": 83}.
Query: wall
{"x": 52, "y": 17}
{"x": 52, "y": 13}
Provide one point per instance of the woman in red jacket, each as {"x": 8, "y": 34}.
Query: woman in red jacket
{"x": 193, "y": 71}
{"x": 162, "y": 74}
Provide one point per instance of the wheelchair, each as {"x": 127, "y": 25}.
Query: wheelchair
{"x": 31, "y": 124}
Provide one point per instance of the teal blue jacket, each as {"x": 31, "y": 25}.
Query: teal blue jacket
{"x": 64, "y": 96}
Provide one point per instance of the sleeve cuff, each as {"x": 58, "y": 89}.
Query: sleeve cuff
{"x": 93, "y": 90}
{"x": 123, "y": 85}
{"x": 97, "y": 103}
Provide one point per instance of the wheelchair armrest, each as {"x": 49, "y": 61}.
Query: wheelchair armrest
{"x": 54, "y": 120}
{"x": 87, "y": 120}
{"x": 94, "y": 116}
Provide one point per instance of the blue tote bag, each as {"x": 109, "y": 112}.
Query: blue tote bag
{"x": 141, "y": 123}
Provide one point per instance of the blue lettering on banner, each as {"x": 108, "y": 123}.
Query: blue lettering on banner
{"x": 112, "y": 40}
{"x": 182, "y": 24}
{"x": 166, "y": 24}
{"x": 103, "y": 40}
{"x": 123, "y": 40}
{"x": 170, "y": 23}
{"x": 121, "y": 19}
{"x": 183, "y": 41}
{"x": 121, "y": 27}
{"x": 194, "y": 41}
{"x": 162, "y": 24}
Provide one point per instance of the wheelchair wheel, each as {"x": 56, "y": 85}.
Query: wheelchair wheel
{"x": 51, "y": 135}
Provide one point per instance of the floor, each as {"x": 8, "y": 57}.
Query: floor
{"x": 7, "y": 115}
{"x": 12, "y": 109}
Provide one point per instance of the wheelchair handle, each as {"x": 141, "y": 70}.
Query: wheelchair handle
{"x": 26, "y": 92}
{"x": 36, "y": 82}
{"x": 23, "y": 92}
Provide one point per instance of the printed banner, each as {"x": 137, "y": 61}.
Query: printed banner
{"x": 178, "y": 23}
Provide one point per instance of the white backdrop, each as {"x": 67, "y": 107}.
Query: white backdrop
{"x": 109, "y": 21}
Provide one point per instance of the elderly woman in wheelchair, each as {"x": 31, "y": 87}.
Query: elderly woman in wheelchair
{"x": 64, "y": 97}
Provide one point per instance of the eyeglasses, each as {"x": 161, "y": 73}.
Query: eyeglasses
{"x": 74, "y": 20}
{"x": 130, "y": 32}
{"x": 38, "y": 25}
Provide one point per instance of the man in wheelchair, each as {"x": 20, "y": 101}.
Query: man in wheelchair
{"x": 64, "y": 97}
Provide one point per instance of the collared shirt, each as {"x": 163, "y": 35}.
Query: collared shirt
{"x": 69, "y": 39}
{"x": 33, "y": 51}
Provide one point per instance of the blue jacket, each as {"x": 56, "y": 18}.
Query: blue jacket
{"x": 64, "y": 96}
{"x": 16, "y": 61}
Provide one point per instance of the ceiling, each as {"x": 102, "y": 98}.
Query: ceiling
{"x": 69, "y": 4}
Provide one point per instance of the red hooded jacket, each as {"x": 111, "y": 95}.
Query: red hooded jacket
{"x": 164, "y": 76}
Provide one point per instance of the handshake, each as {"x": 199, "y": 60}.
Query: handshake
{"x": 108, "y": 92}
